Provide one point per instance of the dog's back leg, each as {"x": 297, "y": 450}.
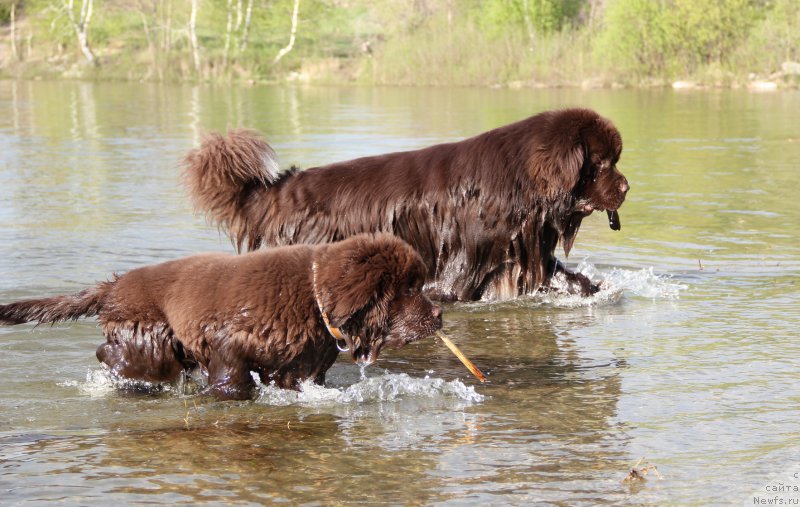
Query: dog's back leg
{"x": 141, "y": 351}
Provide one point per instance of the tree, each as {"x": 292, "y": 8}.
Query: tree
{"x": 228, "y": 30}
{"x": 193, "y": 37}
{"x": 246, "y": 29}
{"x": 81, "y": 27}
{"x": 289, "y": 47}
{"x": 13, "y": 20}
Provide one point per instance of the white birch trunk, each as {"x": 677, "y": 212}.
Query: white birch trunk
{"x": 283, "y": 52}
{"x": 14, "y": 30}
{"x": 193, "y": 37}
{"x": 238, "y": 16}
{"x": 81, "y": 28}
{"x": 168, "y": 30}
{"x": 227, "y": 36}
{"x": 246, "y": 29}
{"x": 146, "y": 27}
{"x": 528, "y": 24}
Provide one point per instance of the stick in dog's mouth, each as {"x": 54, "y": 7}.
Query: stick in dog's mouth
{"x": 452, "y": 346}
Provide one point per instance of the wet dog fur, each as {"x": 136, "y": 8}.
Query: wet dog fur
{"x": 262, "y": 312}
{"x": 486, "y": 214}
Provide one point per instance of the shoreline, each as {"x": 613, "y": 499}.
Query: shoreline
{"x": 79, "y": 71}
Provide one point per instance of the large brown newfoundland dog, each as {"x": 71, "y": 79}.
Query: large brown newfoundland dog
{"x": 485, "y": 214}
{"x": 273, "y": 312}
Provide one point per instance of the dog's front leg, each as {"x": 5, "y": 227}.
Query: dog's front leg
{"x": 229, "y": 381}
{"x": 576, "y": 283}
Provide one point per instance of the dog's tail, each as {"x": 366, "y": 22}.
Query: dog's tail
{"x": 224, "y": 173}
{"x": 54, "y": 309}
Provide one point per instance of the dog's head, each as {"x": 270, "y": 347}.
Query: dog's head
{"x": 370, "y": 287}
{"x": 575, "y": 156}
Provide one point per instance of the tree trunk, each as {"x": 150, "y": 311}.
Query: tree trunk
{"x": 168, "y": 29}
{"x": 146, "y": 27}
{"x": 289, "y": 47}
{"x": 81, "y": 28}
{"x": 238, "y": 16}
{"x": 14, "y": 30}
{"x": 528, "y": 24}
{"x": 193, "y": 37}
{"x": 227, "y": 36}
{"x": 246, "y": 29}
{"x": 151, "y": 46}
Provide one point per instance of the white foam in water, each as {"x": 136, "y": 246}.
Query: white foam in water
{"x": 616, "y": 282}
{"x": 645, "y": 283}
{"x": 387, "y": 387}
{"x": 101, "y": 382}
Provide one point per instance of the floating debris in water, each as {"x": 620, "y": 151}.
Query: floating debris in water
{"x": 637, "y": 473}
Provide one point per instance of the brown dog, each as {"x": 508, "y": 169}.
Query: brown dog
{"x": 486, "y": 213}
{"x": 273, "y": 312}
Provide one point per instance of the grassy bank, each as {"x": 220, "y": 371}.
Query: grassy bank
{"x": 516, "y": 43}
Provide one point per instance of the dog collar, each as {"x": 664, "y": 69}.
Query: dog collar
{"x": 334, "y": 331}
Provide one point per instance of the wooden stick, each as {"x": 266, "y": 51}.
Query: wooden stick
{"x": 452, "y": 346}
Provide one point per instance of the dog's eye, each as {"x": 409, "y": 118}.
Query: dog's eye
{"x": 600, "y": 168}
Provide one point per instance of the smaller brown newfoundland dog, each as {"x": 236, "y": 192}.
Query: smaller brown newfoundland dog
{"x": 485, "y": 213}
{"x": 273, "y": 312}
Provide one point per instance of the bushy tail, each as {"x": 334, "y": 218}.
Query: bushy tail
{"x": 224, "y": 172}
{"x": 86, "y": 303}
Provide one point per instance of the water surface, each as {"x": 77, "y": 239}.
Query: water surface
{"x": 694, "y": 367}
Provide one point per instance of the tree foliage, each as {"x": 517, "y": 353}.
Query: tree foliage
{"x": 424, "y": 41}
{"x": 531, "y": 16}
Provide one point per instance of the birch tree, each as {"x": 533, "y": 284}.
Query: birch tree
{"x": 81, "y": 27}
{"x": 283, "y": 52}
{"x": 193, "y": 37}
{"x": 167, "y": 23}
{"x": 228, "y": 30}
{"x": 246, "y": 29}
{"x": 14, "y": 29}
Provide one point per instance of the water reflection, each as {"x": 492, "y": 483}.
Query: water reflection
{"x": 693, "y": 365}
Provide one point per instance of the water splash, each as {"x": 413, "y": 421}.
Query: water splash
{"x": 643, "y": 283}
{"x": 616, "y": 282}
{"x": 387, "y": 387}
{"x": 101, "y": 382}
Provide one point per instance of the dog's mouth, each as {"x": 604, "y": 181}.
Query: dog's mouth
{"x": 586, "y": 208}
{"x": 366, "y": 351}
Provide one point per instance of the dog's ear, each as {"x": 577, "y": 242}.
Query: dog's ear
{"x": 557, "y": 157}
{"x": 363, "y": 273}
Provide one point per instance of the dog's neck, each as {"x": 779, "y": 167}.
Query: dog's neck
{"x": 337, "y": 334}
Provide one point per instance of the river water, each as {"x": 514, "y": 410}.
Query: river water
{"x": 694, "y": 367}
